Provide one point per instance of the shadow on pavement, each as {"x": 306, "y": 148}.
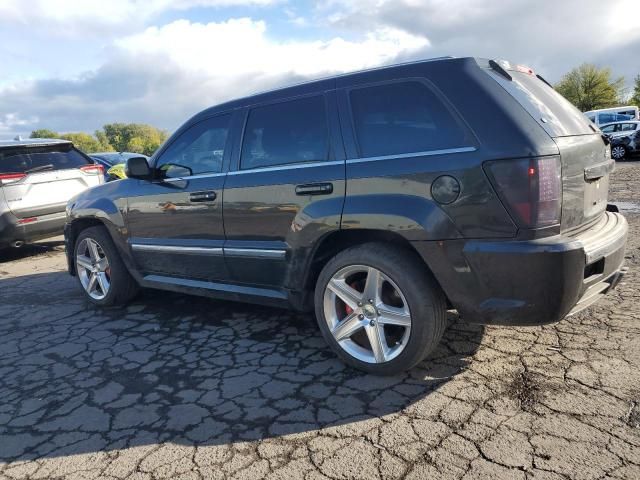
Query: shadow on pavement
{"x": 182, "y": 369}
{"x": 30, "y": 250}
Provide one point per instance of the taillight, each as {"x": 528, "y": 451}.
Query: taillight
{"x": 97, "y": 169}
{"x": 531, "y": 188}
{"x": 11, "y": 177}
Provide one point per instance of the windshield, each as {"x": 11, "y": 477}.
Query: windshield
{"x": 34, "y": 159}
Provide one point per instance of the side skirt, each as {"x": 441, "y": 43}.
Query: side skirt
{"x": 223, "y": 291}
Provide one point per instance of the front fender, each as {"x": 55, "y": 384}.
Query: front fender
{"x": 100, "y": 206}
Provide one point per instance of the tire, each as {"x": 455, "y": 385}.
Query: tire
{"x": 120, "y": 287}
{"x": 619, "y": 152}
{"x": 404, "y": 287}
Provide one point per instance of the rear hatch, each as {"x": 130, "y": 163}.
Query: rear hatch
{"x": 39, "y": 180}
{"x": 584, "y": 153}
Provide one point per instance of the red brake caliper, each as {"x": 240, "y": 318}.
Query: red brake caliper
{"x": 347, "y": 308}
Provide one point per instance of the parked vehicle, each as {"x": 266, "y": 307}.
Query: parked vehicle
{"x": 37, "y": 177}
{"x": 113, "y": 163}
{"x": 617, "y": 114}
{"x": 624, "y": 137}
{"x": 379, "y": 198}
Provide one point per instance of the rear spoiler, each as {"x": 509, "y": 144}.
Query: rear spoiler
{"x": 502, "y": 67}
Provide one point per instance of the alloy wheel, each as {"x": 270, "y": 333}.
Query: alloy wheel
{"x": 367, "y": 314}
{"x": 93, "y": 269}
{"x": 618, "y": 152}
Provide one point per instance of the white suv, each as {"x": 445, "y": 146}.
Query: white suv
{"x": 37, "y": 178}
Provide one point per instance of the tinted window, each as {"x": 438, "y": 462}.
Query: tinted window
{"x": 627, "y": 127}
{"x": 607, "y": 117}
{"x": 561, "y": 117}
{"x": 608, "y": 128}
{"x": 59, "y": 157}
{"x": 200, "y": 149}
{"x": 287, "y": 132}
{"x": 404, "y": 117}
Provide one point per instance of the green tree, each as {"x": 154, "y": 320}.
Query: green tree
{"x": 134, "y": 137}
{"x": 104, "y": 141}
{"x": 589, "y": 87}
{"x": 83, "y": 141}
{"x": 635, "y": 98}
{"x": 44, "y": 133}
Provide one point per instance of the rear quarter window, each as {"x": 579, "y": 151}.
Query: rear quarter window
{"x": 58, "y": 157}
{"x": 403, "y": 118}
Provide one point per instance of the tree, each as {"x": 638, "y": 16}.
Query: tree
{"x": 134, "y": 137}
{"x": 589, "y": 87}
{"x": 635, "y": 99}
{"x": 44, "y": 133}
{"x": 83, "y": 141}
{"x": 121, "y": 137}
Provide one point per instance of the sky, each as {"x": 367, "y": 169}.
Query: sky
{"x": 74, "y": 65}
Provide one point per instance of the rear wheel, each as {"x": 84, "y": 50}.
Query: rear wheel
{"x": 618, "y": 152}
{"x": 379, "y": 308}
{"x": 100, "y": 270}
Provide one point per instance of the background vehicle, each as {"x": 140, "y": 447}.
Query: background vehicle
{"x": 624, "y": 137}
{"x": 376, "y": 198}
{"x": 37, "y": 177}
{"x": 113, "y": 163}
{"x": 617, "y": 114}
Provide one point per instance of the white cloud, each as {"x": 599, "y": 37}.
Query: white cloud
{"x": 551, "y": 36}
{"x": 73, "y": 17}
{"x": 10, "y": 121}
{"x": 241, "y": 46}
{"x": 165, "y": 74}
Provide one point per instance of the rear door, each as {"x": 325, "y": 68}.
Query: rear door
{"x": 40, "y": 180}
{"x": 585, "y": 156}
{"x": 286, "y": 190}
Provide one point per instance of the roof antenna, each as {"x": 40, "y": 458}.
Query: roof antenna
{"x": 18, "y": 138}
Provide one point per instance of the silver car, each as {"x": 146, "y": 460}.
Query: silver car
{"x": 37, "y": 178}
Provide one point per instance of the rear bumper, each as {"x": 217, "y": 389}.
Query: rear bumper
{"x": 529, "y": 282}
{"x": 11, "y": 230}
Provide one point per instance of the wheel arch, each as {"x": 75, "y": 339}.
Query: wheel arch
{"x": 337, "y": 241}
{"x": 77, "y": 225}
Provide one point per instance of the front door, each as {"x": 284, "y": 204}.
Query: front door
{"x": 286, "y": 189}
{"x": 175, "y": 221}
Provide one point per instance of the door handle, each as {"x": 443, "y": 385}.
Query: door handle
{"x": 314, "y": 189}
{"x": 207, "y": 196}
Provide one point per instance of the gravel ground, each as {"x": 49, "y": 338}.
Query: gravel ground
{"x": 185, "y": 387}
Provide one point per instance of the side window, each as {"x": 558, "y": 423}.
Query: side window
{"x": 628, "y": 127}
{"x": 200, "y": 149}
{"x": 403, "y": 117}
{"x": 606, "y": 118}
{"x": 608, "y": 128}
{"x": 288, "y": 132}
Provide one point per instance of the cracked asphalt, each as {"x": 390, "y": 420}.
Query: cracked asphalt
{"x": 185, "y": 387}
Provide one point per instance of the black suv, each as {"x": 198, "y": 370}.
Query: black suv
{"x": 381, "y": 198}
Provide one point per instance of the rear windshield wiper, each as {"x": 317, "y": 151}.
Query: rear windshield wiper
{"x": 41, "y": 168}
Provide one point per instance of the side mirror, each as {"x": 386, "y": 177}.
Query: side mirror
{"x": 137, "y": 167}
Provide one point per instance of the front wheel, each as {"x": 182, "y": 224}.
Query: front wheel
{"x": 100, "y": 270}
{"x": 379, "y": 308}
{"x": 618, "y": 152}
